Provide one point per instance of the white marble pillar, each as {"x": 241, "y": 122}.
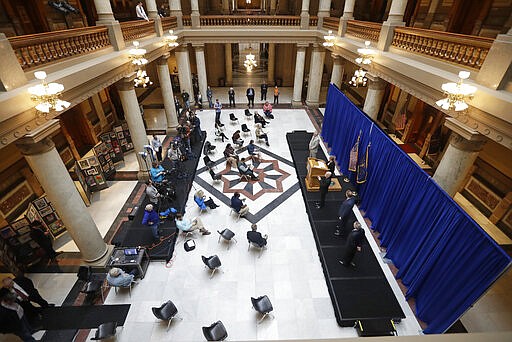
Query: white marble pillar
{"x": 324, "y": 10}
{"x": 194, "y": 16}
{"x": 201, "y": 71}
{"x": 271, "y": 64}
{"x": 44, "y": 160}
{"x": 175, "y": 9}
{"x": 395, "y": 18}
{"x": 338, "y": 69}
{"x": 273, "y": 7}
{"x": 397, "y": 11}
{"x": 316, "y": 69}
{"x": 494, "y": 72}
{"x": 167, "y": 93}
{"x": 298, "y": 80}
{"x": 153, "y": 14}
{"x": 374, "y": 96}
{"x": 459, "y": 156}
{"x": 133, "y": 118}
{"x": 348, "y": 14}
{"x": 304, "y": 15}
{"x": 229, "y": 64}
{"x": 106, "y": 18}
{"x": 11, "y": 74}
{"x": 225, "y": 7}
{"x": 184, "y": 71}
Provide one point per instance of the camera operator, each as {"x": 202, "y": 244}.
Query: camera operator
{"x": 157, "y": 172}
{"x": 152, "y": 193}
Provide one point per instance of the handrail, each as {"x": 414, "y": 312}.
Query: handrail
{"x": 252, "y": 20}
{"x": 331, "y": 23}
{"x": 137, "y": 29}
{"x": 364, "y": 29}
{"x": 455, "y": 48}
{"x": 169, "y": 23}
{"x": 38, "y": 49}
{"x": 187, "y": 21}
{"x": 313, "y": 21}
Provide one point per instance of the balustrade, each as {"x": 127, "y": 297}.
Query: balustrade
{"x": 35, "y": 50}
{"x": 186, "y": 20}
{"x": 364, "y": 29}
{"x": 169, "y": 23}
{"x": 253, "y": 20}
{"x": 313, "y": 21}
{"x": 331, "y": 23}
{"x": 461, "y": 49}
{"x": 137, "y": 29}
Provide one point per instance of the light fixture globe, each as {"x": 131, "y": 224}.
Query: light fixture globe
{"x": 359, "y": 79}
{"x": 329, "y": 39}
{"x": 171, "y": 39}
{"x": 365, "y": 54}
{"x": 457, "y": 94}
{"x": 46, "y": 95}
{"x": 250, "y": 61}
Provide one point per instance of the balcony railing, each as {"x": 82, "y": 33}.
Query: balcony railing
{"x": 253, "y": 20}
{"x": 364, "y": 29}
{"x": 38, "y": 49}
{"x": 186, "y": 20}
{"x": 331, "y": 23}
{"x": 313, "y": 21}
{"x": 169, "y": 23}
{"x": 137, "y": 29}
{"x": 461, "y": 49}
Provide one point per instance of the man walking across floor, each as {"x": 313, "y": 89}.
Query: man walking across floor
{"x": 345, "y": 210}
{"x": 231, "y": 95}
{"x": 325, "y": 182}
{"x": 354, "y": 242}
{"x": 250, "y": 96}
{"x": 264, "y": 88}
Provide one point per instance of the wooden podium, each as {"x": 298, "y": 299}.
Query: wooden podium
{"x": 316, "y": 168}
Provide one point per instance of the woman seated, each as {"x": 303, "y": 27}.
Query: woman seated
{"x": 258, "y": 119}
{"x": 260, "y": 134}
{"x": 267, "y": 110}
{"x": 208, "y": 148}
{"x": 186, "y": 225}
{"x": 220, "y": 133}
{"x": 237, "y": 140}
{"x": 199, "y": 198}
{"x": 230, "y": 155}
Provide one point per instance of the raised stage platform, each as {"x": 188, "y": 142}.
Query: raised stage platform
{"x": 357, "y": 293}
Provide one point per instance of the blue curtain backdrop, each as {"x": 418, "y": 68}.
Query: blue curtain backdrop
{"x": 444, "y": 258}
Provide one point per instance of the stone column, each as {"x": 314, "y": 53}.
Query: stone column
{"x": 316, "y": 69}
{"x": 273, "y": 7}
{"x": 134, "y": 120}
{"x": 167, "y": 94}
{"x": 324, "y": 10}
{"x": 201, "y": 71}
{"x": 304, "y": 15}
{"x": 184, "y": 72}
{"x": 374, "y": 96}
{"x": 298, "y": 80}
{"x": 175, "y": 9}
{"x": 106, "y": 18}
{"x": 395, "y": 18}
{"x": 348, "y": 14}
{"x": 459, "y": 156}
{"x": 229, "y": 64}
{"x": 338, "y": 70}
{"x": 153, "y": 14}
{"x": 430, "y": 15}
{"x": 44, "y": 160}
{"x": 494, "y": 71}
{"x": 194, "y": 16}
{"x": 11, "y": 73}
{"x": 225, "y": 7}
{"x": 271, "y": 63}
{"x": 98, "y": 107}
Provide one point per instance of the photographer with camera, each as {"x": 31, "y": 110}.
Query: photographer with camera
{"x": 157, "y": 172}
{"x": 152, "y": 193}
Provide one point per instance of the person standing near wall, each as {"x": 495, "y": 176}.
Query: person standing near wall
{"x": 276, "y": 95}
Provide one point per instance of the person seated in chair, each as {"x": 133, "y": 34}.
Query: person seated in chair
{"x": 118, "y": 277}
{"x": 238, "y": 205}
{"x": 208, "y": 148}
{"x": 220, "y": 133}
{"x": 157, "y": 172}
{"x": 213, "y": 175}
{"x": 237, "y": 140}
{"x": 258, "y": 119}
{"x": 267, "y": 110}
{"x": 253, "y": 236}
{"x": 254, "y": 154}
{"x": 260, "y": 134}
{"x": 186, "y": 225}
{"x": 199, "y": 198}
{"x": 230, "y": 155}
{"x": 245, "y": 169}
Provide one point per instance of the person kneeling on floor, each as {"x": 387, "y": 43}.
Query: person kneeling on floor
{"x": 186, "y": 225}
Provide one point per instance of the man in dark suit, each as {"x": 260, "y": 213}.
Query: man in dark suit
{"x": 325, "y": 182}
{"x": 231, "y": 95}
{"x": 27, "y": 285}
{"x": 40, "y": 235}
{"x": 345, "y": 210}
{"x": 250, "y": 96}
{"x": 12, "y": 317}
{"x": 254, "y": 236}
{"x": 354, "y": 242}
{"x": 264, "y": 88}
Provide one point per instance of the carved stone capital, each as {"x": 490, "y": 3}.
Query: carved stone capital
{"x": 163, "y": 59}
{"x": 126, "y": 83}
{"x": 463, "y": 137}
{"x": 39, "y": 141}
{"x": 376, "y": 83}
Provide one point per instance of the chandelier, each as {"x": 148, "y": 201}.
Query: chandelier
{"x": 171, "y": 39}
{"x": 457, "y": 94}
{"x": 359, "y": 79}
{"x": 329, "y": 39}
{"x": 142, "y": 79}
{"x": 250, "y": 61}
{"x": 366, "y": 54}
{"x": 46, "y": 95}
{"x": 138, "y": 59}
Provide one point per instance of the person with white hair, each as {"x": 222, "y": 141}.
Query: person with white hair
{"x": 325, "y": 182}
{"x": 260, "y": 133}
{"x": 152, "y": 220}
{"x": 186, "y": 225}
{"x": 313, "y": 145}
{"x": 118, "y": 277}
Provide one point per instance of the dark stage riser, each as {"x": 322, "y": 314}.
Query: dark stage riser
{"x": 357, "y": 293}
